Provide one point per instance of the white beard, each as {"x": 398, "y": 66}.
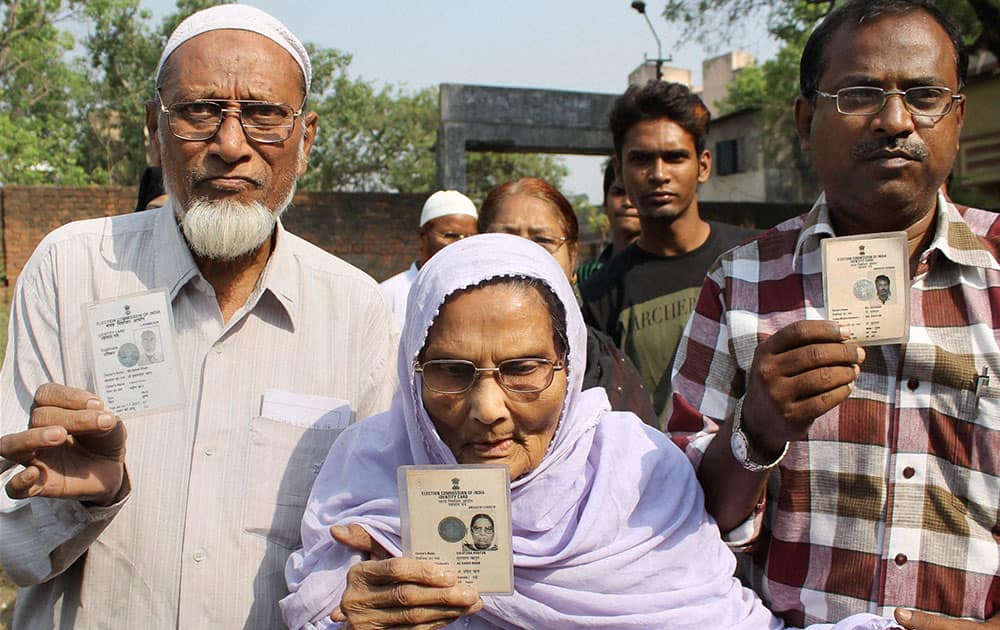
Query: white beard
{"x": 226, "y": 230}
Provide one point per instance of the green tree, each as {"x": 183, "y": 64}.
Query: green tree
{"x": 122, "y": 49}
{"x": 120, "y": 54}
{"x": 773, "y": 86}
{"x": 382, "y": 139}
{"x": 715, "y": 21}
{"x": 483, "y": 171}
{"x": 369, "y": 139}
{"x": 40, "y": 94}
{"x": 73, "y": 111}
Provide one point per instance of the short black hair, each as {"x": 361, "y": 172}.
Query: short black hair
{"x": 857, "y": 12}
{"x": 150, "y": 187}
{"x": 659, "y": 99}
{"x": 882, "y": 276}
{"x": 609, "y": 179}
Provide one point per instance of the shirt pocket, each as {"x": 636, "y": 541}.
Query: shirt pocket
{"x": 282, "y": 464}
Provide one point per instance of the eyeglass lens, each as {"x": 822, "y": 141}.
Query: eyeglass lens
{"x": 927, "y": 101}
{"x": 451, "y": 237}
{"x": 264, "y": 122}
{"x": 551, "y": 243}
{"x": 516, "y": 375}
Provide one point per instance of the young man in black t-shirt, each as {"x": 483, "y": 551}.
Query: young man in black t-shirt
{"x": 644, "y": 296}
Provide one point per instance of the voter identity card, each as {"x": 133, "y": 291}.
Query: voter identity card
{"x": 866, "y": 284}
{"x": 460, "y": 516}
{"x": 134, "y": 353}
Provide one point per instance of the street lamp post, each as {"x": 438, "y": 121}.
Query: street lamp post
{"x": 640, "y": 8}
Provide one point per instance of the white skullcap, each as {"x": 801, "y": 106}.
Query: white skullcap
{"x": 238, "y": 17}
{"x": 445, "y": 202}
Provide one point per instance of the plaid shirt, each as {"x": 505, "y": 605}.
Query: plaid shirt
{"x": 892, "y": 499}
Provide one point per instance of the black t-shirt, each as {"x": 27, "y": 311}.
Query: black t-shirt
{"x": 643, "y": 302}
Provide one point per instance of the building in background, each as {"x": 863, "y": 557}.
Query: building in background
{"x": 976, "y": 178}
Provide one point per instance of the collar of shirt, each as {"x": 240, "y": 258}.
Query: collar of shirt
{"x": 175, "y": 266}
{"x": 952, "y": 237}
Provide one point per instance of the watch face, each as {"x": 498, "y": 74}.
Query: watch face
{"x": 738, "y": 444}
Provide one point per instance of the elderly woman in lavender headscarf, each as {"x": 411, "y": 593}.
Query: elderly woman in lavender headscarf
{"x": 609, "y": 528}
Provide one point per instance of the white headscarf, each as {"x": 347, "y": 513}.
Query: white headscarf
{"x": 609, "y": 531}
{"x": 239, "y": 17}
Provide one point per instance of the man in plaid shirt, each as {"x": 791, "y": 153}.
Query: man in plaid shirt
{"x": 860, "y": 479}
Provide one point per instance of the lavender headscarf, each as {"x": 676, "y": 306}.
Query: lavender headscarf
{"x": 609, "y": 531}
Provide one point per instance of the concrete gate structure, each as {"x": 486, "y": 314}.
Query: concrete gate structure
{"x": 517, "y": 120}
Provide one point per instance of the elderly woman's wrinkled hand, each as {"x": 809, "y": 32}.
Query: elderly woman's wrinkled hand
{"x": 355, "y": 537}
{"x": 403, "y": 592}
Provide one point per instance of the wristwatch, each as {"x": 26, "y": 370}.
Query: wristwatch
{"x": 739, "y": 444}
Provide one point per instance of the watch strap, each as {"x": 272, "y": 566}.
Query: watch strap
{"x": 741, "y": 447}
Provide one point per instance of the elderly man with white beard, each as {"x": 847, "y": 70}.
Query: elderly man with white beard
{"x": 188, "y": 521}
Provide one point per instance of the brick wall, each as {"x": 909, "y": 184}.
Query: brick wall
{"x": 376, "y": 232}
{"x": 31, "y": 212}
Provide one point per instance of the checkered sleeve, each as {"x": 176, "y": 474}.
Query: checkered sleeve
{"x": 703, "y": 368}
{"x": 708, "y": 378}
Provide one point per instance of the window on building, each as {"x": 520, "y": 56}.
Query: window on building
{"x": 727, "y": 157}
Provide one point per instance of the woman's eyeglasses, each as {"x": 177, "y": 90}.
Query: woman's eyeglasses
{"x": 519, "y": 376}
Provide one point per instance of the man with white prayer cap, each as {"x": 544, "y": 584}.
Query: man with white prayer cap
{"x": 448, "y": 216}
{"x": 187, "y": 522}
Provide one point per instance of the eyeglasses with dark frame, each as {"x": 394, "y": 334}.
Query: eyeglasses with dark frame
{"x": 526, "y": 375}
{"x": 931, "y": 101}
{"x": 200, "y": 120}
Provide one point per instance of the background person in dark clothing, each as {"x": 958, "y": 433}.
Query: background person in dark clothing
{"x": 623, "y": 220}
{"x": 644, "y": 296}
{"x": 151, "y": 192}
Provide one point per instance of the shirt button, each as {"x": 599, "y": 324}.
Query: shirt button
{"x": 198, "y": 555}
{"x": 900, "y": 559}
{"x": 209, "y": 451}
{"x": 909, "y": 472}
{"x": 913, "y": 384}
{"x": 218, "y": 348}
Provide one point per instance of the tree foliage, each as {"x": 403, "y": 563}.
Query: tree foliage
{"x": 39, "y": 92}
{"x": 773, "y": 86}
{"x": 72, "y": 111}
{"x": 382, "y": 139}
{"x": 714, "y": 22}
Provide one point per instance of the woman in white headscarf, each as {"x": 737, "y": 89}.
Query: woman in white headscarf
{"x": 609, "y": 527}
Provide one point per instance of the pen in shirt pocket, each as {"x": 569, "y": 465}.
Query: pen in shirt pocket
{"x": 982, "y": 381}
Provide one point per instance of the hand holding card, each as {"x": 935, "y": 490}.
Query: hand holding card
{"x": 459, "y": 516}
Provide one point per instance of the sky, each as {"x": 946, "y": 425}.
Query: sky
{"x": 582, "y": 45}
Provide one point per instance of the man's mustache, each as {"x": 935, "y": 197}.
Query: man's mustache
{"x": 908, "y": 147}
